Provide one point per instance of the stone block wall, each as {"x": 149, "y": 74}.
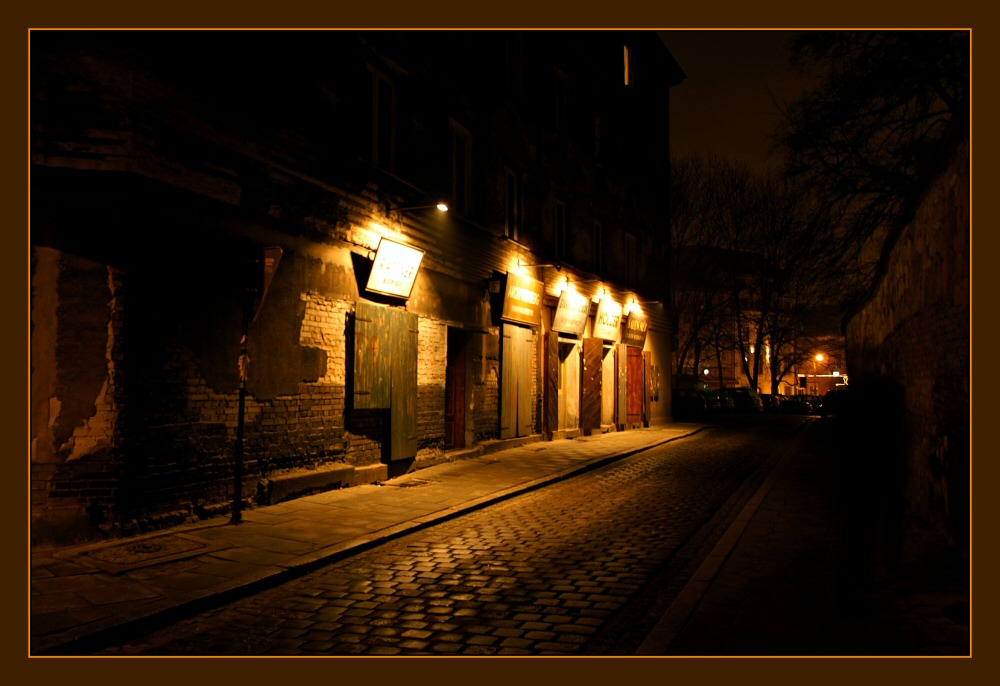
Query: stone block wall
{"x": 908, "y": 352}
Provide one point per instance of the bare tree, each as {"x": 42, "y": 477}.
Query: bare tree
{"x": 745, "y": 256}
{"x": 887, "y": 107}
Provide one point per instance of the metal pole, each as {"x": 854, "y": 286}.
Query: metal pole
{"x": 244, "y": 363}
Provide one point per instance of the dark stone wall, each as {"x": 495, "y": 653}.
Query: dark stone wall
{"x": 908, "y": 352}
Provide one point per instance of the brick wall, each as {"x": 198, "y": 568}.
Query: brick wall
{"x": 908, "y": 352}
{"x": 432, "y": 360}
{"x": 485, "y": 414}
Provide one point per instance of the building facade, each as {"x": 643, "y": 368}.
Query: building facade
{"x": 241, "y": 288}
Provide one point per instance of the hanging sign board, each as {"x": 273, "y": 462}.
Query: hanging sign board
{"x": 395, "y": 269}
{"x": 607, "y": 322}
{"x": 571, "y": 313}
{"x": 522, "y": 300}
{"x": 635, "y": 329}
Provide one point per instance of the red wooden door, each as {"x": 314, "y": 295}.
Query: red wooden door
{"x": 454, "y": 391}
{"x": 636, "y": 387}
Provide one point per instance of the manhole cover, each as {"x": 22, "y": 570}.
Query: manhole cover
{"x": 410, "y": 483}
{"x": 142, "y": 550}
{"x": 122, "y": 557}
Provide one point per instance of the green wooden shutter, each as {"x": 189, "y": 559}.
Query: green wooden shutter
{"x": 372, "y": 364}
{"x": 403, "y": 331}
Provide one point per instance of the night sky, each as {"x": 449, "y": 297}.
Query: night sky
{"x": 726, "y": 105}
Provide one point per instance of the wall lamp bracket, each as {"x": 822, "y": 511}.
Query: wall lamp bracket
{"x": 439, "y": 206}
{"x": 558, "y": 267}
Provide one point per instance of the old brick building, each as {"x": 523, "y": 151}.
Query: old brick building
{"x": 390, "y": 333}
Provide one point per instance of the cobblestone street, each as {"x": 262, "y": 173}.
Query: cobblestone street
{"x": 564, "y": 570}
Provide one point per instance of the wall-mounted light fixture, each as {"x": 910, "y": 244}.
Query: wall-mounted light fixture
{"x": 562, "y": 285}
{"x": 440, "y": 206}
{"x": 525, "y": 264}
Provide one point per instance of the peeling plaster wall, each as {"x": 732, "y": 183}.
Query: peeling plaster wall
{"x": 76, "y": 323}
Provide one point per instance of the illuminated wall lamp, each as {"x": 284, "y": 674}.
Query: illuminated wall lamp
{"x": 525, "y": 264}
{"x": 440, "y": 206}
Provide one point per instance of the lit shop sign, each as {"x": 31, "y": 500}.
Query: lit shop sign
{"x": 522, "y": 301}
{"x": 608, "y": 320}
{"x": 395, "y": 269}
{"x": 635, "y": 329}
{"x": 571, "y": 313}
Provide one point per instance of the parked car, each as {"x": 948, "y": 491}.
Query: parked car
{"x": 794, "y": 404}
{"x": 814, "y": 402}
{"x": 746, "y": 400}
{"x": 690, "y": 397}
{"x": 835, "y": 402}
{"x": 726, "y": 402}
{"x": 770, "y": 402}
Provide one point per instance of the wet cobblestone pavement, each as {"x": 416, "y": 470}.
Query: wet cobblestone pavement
{"x": 551, "y": 572}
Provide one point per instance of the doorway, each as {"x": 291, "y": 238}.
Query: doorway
{"x": 454, "y": 390}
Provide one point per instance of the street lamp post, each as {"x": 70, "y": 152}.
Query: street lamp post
{"x": 819, "y": 358}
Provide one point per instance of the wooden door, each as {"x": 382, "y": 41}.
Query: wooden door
{"x": 525, "y": 405}
{"x": 636, "y": 387}
{"x": 385, "y": 373}
{"x": 516, "y": 412}
{"x": 403, "y": 330}
{"x": 593, "y": 375}
{"x": 550, "y": 396}
{"x": 454, "y": 391}
{"x": 372, "y": 381}
{"x": 621, "y": 380}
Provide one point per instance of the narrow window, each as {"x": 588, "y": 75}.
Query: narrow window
{"x": 628, "y": 66}
{"x": 461, "y": 169}
{"x": 383, "y": 150}
{"x": 631, "y": 260}
{"x": 515, "y": 64}
{"x": 597, "y": 136}
{"x": 561, "y": 103}
{"x": 560, "y": 230}
{"x": 512, "y": 205}
{"x": 598, "y": 249}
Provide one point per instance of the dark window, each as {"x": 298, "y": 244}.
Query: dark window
{"x": 561, "y": 103}
{"x": 597, "y": 136}
{"x": 383, "y": 122}
{"x": 461, "y": 169}
{"x": 512, "y": 205}
{"x": 631, "y": 260}
{"x": 515, "y": 64}
{"x": 598, "y": 249}
{"x": 560, "y": 229}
